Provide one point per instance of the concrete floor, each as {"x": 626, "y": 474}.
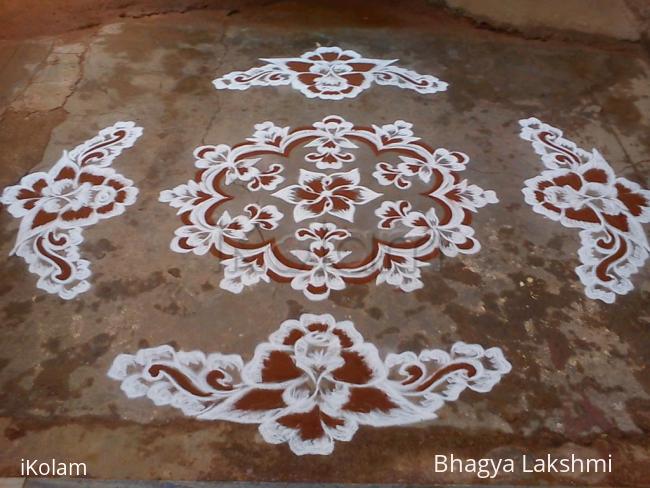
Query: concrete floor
{"x": 580, "y": 381}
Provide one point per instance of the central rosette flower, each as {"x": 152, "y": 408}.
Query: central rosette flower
{"x": 318, "y": 352}
{"x": 317, "y": 356}
{"x": 331, "y": 72}
{"x": 324, "y": 368}
{"x": 331, "y": 75}
{"x": 596, "y": 195}
{"x": 69, "y": 195}
{"x": 335, "y": 194}
{"x": 584, "y": 196}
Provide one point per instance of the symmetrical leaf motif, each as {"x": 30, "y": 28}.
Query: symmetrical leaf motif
{"x": 330, "y": 73}
{"x": 313, "y": 383}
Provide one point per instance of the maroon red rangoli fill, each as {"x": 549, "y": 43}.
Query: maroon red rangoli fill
{"x": 330, "y": 73}
{"x": 315, "y": 381}
{"x": 327, "y": 206}
{"x": 580, "y": 190}
{"x": 54, "y": 206}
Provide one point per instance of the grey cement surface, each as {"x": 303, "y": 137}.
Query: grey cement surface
{"x": 580, "y": 381}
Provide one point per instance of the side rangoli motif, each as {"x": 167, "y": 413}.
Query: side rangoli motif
{"x": 330, "y": 73}
{"x": 580, "y": 190}
{"x": 256, "y": 241}
{"x": 79, "y": 190}
{"x": 313, "y": 383}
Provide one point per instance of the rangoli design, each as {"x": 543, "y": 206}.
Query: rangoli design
{"x": 330, "y": 73}
{"x": 314, "y": 382}
{"x": 580, "y": 190}
{"x": 78, "y": 191}
{"x": 333, "y": 229}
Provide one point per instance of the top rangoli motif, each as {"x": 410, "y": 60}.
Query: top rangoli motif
{"x": 332, "y": 228}
{"x": 330, "y": 73}
{"x": 580, "y": 190}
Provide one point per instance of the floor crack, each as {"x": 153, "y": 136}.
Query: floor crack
{"x": 213, "y": 117}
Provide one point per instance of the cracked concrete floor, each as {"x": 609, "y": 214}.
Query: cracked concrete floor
{"x": 580, "y": 381}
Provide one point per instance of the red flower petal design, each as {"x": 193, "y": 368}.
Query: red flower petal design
{"x": 579, "y": 189}
{"x": 315, "y": 385}
{"x": 78, "y": 191}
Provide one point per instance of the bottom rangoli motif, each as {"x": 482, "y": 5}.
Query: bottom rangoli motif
{"x": 314, "y": 382}
{"x": 580, "y": 190}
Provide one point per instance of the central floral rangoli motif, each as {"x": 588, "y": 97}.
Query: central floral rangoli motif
{"x": 313, "y": 383}
{"x": 297, "y": 206}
